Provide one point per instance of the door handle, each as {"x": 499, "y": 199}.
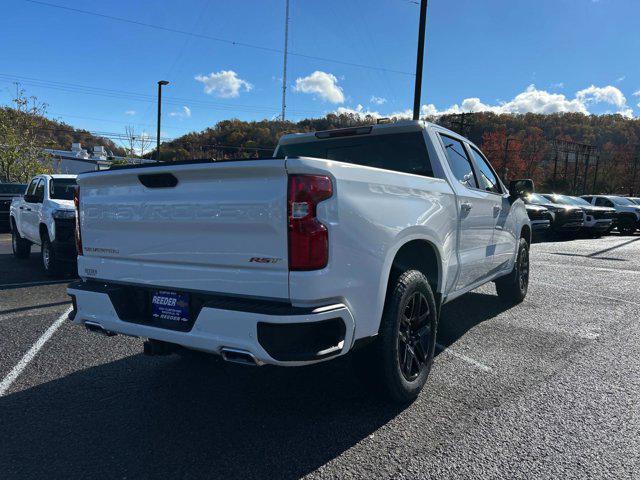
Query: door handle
{"x": 27, "y": 209}
{"x": 466, "y": 206}
{"x": 497, "y": 209}
{"x": 21, "y": 208}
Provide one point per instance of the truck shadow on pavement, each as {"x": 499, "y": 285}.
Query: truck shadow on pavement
{"x": 15, "y": 273}
{"x": 165, "y": 417}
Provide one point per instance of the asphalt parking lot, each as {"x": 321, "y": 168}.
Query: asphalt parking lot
{"x": 548, "y": 389}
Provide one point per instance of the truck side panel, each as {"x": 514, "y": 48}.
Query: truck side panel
{"x": 372, "y": 214}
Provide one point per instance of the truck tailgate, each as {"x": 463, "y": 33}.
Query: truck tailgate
{"x": 221, "y": 228}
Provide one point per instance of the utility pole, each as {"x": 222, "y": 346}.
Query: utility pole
{"x": 632, "y": 193}
{"x": 574, "y": 187}
{"x": 284, "y": 67}
{"x": 586, "y": 171}
{"x": 555, "y": 168}
{"x": 506, "y": 158}
{"x": 595, "y": 175}
{"x": 419, "y": 61}
{"x": 160, "y": 85}
{"x": 461, "y": 123}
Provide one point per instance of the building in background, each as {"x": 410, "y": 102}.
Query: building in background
{"x": 78, "y": 159}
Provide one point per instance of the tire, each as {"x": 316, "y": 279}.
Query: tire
{"x": 513, "y": 288}
{"x": 397, "y": 363}
{"x": 50, "y": 262}
{"x": 21, "y": 247}
{"x": 627, "y": 227}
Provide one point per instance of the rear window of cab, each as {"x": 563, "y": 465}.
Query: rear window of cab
{"x": 400, "y": 152}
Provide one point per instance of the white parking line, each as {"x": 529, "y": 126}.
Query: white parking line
{"x": 469, "y": 360}
{"x": 30, "y": 355}
{"x": 584, "y": 292}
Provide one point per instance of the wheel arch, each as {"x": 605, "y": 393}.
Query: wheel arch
{"x": 525, "y": 232}
{"x": 418, "y": 252}
{"x": 43, "y": 230}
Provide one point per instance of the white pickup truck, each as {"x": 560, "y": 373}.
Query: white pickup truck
{"x": 347, "y": 240}
{"x": 46, "y": 216}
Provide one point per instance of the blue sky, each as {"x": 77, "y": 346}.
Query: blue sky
{"x": 503, "y": 55}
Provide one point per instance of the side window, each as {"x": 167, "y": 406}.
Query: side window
{"x": 39, "y": 193}
{"x": 588, "y": 199}
{"x": 603, "y": 202}
{"x": 486, "y": 178}
{"x": 32, "y": 187}
{"x": 459, "y": 162}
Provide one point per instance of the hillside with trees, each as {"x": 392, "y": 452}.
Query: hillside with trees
{"x": 25, "y": 132}
{"x": 517, "y": 145}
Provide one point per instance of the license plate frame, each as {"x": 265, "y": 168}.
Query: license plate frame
{"x": 168, "y": 306}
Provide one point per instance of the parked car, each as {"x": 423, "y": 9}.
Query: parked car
{"x": 627, "y": 212}
{"x": 567, "y": 219}
{"x": 46, "y": 216}
{"x": 349, "y": 239}
{"x": 540, "y": 217}
{"x": 597, "y": 220}
{"x": 7, "y": 192}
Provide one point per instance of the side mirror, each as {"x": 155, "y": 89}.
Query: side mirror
{"x": 520, "y": 188}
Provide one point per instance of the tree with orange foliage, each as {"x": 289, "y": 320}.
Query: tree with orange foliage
{"x": 504, "y": 154}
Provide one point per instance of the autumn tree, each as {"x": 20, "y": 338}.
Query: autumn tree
{"x": 21, "y": 154}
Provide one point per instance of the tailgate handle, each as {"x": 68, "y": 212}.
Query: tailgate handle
{"x": 158, "y": 180}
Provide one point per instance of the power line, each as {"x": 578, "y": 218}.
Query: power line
{"x": 141, "y": 97}
{"x": 215, "y": 39}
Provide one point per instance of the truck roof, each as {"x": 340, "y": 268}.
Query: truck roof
{"x": 57, "y": 175}
{"x": 382, "y": 128}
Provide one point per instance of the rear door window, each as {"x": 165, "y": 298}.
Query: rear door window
{"x": 400, "y": 152}
{"x": 459, "y": 162}
{"x": 603, "y": 202}
{"x": 487, "y": 179}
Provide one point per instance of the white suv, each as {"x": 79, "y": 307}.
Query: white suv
{"x": 627, "y": 212}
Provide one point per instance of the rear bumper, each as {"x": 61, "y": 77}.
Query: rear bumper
{"x": 277, "y": 335}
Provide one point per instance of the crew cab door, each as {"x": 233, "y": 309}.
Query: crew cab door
{"x": 477, "y": 216}
{"x": 30, "y": 210}
{"x": 504, "y": 234}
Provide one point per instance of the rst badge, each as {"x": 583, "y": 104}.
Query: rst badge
{"x": 264, "y": 260}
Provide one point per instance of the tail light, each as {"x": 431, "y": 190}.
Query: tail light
{"x": 76, "y": 202}
{"x": 308, "y": 238}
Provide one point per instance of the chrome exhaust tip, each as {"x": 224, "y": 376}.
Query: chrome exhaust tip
{"x": 234, "y": 355}
{"x": 95, "y": 327}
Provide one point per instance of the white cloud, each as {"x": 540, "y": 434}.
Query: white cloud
{"x": 359, "y": 110}
{"x": 636, "y": 94}
{"x": 224, "y": 84}
{"x": 323, "y": 84}
{"x": 530, "y": 100}
{"x": 377, "y": 100}
{"x": 608, "y": 94}
{"x": 185, "y": 112}
{"x": 557, "y": 85}
{"x": 621, "y": 79}
{"x": 130, "y": 112}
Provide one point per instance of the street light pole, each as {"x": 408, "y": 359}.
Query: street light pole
{"x": 419, "y": 61}
{"x": 160, "y": 84}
